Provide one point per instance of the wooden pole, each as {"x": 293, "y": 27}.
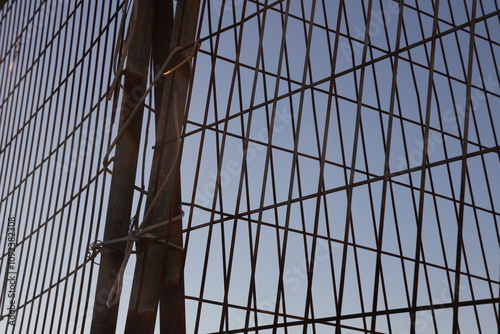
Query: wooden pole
{"x": 172, "y": 302}
{"x": 158, "y": 272}
{"x": 124, "y": 168}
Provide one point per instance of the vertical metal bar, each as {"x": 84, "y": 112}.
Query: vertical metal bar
{"x": 418, "y": 247}
{"x": 460, "y": 222}
{"x": 158, "y": 272}
{"x": 125, "y": 166}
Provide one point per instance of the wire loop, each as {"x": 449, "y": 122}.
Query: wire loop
{"x": 134, "y": 236}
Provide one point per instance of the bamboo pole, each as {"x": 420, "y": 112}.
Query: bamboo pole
{"x": 124, "y": 168}
{"x": 158, "y": 272}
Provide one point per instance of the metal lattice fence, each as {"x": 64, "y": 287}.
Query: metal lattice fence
{"x": 338, "y": 164}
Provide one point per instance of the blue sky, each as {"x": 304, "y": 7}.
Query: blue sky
{"x": 71, "y": 160}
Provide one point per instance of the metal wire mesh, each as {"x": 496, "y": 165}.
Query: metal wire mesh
{"x": 340, "y": 166}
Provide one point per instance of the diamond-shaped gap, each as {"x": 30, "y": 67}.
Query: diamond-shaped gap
{"x": 492, "y": 25}
{"x": 211, "y": 105}
{"x": 294, "y": 217}
{"x": 347, "y": 120}
{"x": 373, "y": 141}
{"x": 273, "y": 35}
{"x": 360, "y": 169}
{"x": 272, "y": 192}
{"x": 282, "y": 163}
{"x": 469, "y": 312}
{"x": 420, "y": 83}
{"x": 356, "y": 23}
{"x": 261, "y": 89}
{"x": 486, "y": 59}
{"x": 334, "y": 178}
{"x": 241, "y": 270}
{"x": 422, "y": 289}
{"x": 361, "y": 217}
{"x": 435, "y": 147}
{"x": 295, "y": 275}
{"x": 400, "y": 323}
{"x": 463, "y": 48}
{"x": 191, "y": 147}
{"x": 444, "y": 117}
{"x": 246, "y": 78}
{"x": 483, "y": 289}
{"x": 267, "y": 269}
{"x": 431, "y": 241}
{"x": 455, "y": 179}
{"x": 319, "y": 117}
{"x": 196, "y": 246}
{"x": 337, "y": 205}
{"x": 322, "y": 296}
{"x": 296, "y": 47}
{"x": 250, "y": 41}
{"x": 230, "y": 173}
{"x": 208, "y": 161}
{"x": 335, "y": 141}
{"x": 224, "y": 86}
{"x": 309, "y": 175}
{"x": 255, "y": 168}
{"x": 414, "y": 142}
{"x": 326, "y": 254}
{"x": 406, "y": 224}
{"x": 270, "y": 86}
{"x": 200, "y": 84}
{"x": 472, "y": 245}
{"x": 460, "y": 13}
{"x": 308, "y": 134}
{"x": 398, "y": 153}
{"x": 346, "y": 87}
{"x": 309, "y": 219}
{"x": 378, "y": 26}
{"x": 320, "y": 61}
{"x": 344, "y": 53}
{"x": 425, "y": 18}
{"x": 407, "y": 96}
{"x": 283, "y": 131}
{"x": 452, "y": 55}
{"x": 480, "y": 127}
{"x": 259, "y": 130}
{"x": 486, "y": 315}
{"x": 210, "y": 317}
{"x": 236, "y": 129}
{"x": 477, "y": 181}
{"x": 488, "y": 236}
{"x": 389, "y": 236}
{"x": 439, "y": 59}
{"x": 323, "y": 231}
{"x": 494, "y": 105}
{"x": 286, "y": 85}
{"x": 233, "y": 7}
{"x": 391, "y": 15}
{"x": 367, "y": 260}
{"x": 295, "y": 9}
{"x": 352, "y": 298}
{"x": 394, "y": 281}
{"x": 384, "y": 83}
{"x": 440, "y": 181}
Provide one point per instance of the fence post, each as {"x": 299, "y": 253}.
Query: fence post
{"x": 158, "y": 272}
{"x": 124, "y": 167}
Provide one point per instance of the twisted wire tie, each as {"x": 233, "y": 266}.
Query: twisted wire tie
{"x": 133, "y": 236}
